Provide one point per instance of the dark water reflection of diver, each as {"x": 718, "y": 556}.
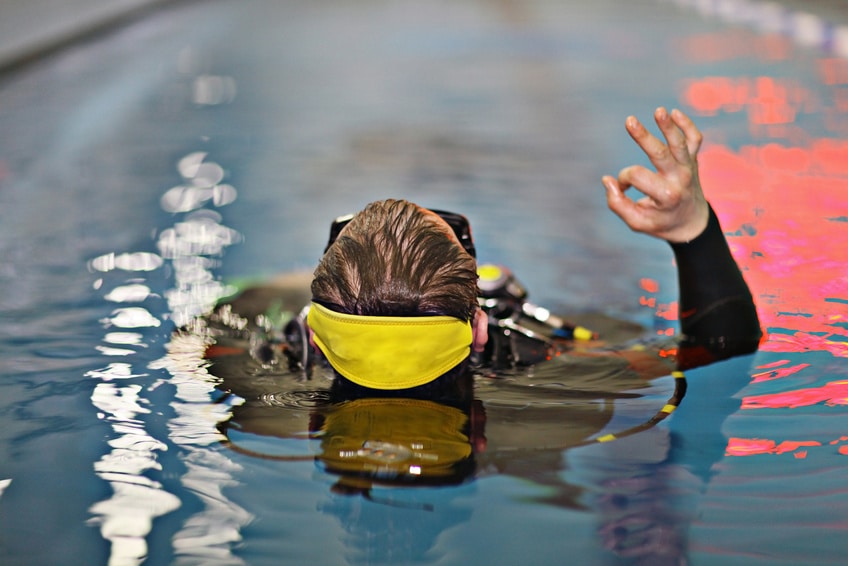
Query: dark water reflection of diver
{"x": 430, "y": 413}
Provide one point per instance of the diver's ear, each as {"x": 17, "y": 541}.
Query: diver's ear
{"x": 479, "y": 330}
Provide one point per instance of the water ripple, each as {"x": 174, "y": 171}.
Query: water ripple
{"x": 296, "y": 399}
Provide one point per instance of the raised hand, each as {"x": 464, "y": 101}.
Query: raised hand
{"x": 673, "y": 206}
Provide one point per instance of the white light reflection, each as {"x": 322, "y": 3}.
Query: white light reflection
{"x": 207, "y": 536}
{"x": 140, "y": 261}
{"x": 187, "y": 245}
{"x": 128, "y": 294}
{"x": 207, "y": 174}
{"x": 183, "y": 198}
{"x": 203, "y": 185}
{"x": 200, "y": 234}
{"x": 133, "y": 317}
{"x": 125, "y": 338}
{"x": 3, "y": 485}
{"x": 126, "y": 518}
{"x": 115, "y": 371}
{"x": 190, "y": 164}
{"x": 108, "y": 351}
{"x": 192, "y": 245}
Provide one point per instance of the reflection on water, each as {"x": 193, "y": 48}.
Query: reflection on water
{"x": 126, "y": 518}
{"x": 191, "y": 246}
{"x": 190, "y": 249}
{"x": 209, "y": 534}
{"x": 787, "y": 245}
{"x": 139, "y": 261}
{"x": 782, "y": 187}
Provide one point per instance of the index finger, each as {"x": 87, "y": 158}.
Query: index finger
{"x": 693, "y": 135}
{"x": 676, "y": 139}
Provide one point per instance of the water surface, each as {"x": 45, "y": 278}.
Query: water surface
{"x": 147, "y": 171}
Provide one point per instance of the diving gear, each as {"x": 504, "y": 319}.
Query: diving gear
{"x": 458, "y": 223}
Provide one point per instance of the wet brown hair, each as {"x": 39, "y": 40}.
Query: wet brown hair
{"x": 397, "y": 259}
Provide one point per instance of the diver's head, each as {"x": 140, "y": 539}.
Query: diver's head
{"x": 396, "y": 259}
{"x": 397, "y": 290}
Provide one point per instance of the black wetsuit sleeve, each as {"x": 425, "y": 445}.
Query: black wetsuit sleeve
{"x": 717, "y": 311}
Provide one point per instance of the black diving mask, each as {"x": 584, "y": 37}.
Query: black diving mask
{"x": 458, "y": 223}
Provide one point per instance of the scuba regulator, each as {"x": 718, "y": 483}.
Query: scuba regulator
{"x": 531, "y": 333}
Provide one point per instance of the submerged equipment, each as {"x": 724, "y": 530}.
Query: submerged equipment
{"x": 504, "y": 299}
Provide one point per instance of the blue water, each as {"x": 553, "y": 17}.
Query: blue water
{"x": 146, "y": 170}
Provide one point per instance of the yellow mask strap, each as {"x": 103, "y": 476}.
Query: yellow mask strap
{"x": 389, "y": 352}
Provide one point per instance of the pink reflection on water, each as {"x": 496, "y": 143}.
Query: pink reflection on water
{"x": 798, "y": 448}
{"x": 784, "y": 210}
{"x": 778, "y": 373}
{"x": 832, "y": 394}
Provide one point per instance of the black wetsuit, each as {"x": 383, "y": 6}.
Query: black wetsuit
{"x": 717, "y": 312}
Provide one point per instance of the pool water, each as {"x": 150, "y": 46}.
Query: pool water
{"x": 149, "y": 171}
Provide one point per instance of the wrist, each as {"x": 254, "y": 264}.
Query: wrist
{"x": 696, "y": 226}
{"x": 711, "y": 231}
